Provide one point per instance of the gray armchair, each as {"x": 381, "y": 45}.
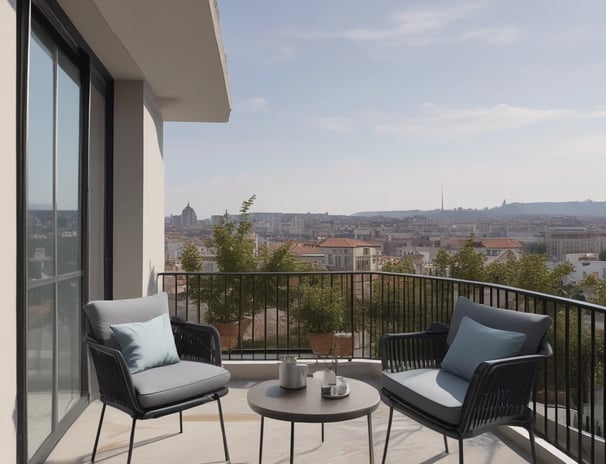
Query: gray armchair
{"x": 465, "y": 379}
{"x": 189, "y": 375}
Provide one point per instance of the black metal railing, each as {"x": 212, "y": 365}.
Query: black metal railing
{"x": 569, "y": 393}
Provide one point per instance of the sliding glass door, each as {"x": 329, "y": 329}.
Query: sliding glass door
{"x": 54, "y": 238}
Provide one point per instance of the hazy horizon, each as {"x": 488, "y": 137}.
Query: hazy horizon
{"x": 347, "y": 106}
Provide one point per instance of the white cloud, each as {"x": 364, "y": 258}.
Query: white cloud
{"x": 495, "y": 35}
{"x": 414, "y": 26}
{"x": 253, "y": 104}
{"x": 422, "y": 26}
{"x": 434, "y": 121}
{"x": 472, "y": 121}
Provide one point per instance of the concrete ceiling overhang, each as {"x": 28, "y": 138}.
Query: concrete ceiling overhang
{"x": 174, "y": 46}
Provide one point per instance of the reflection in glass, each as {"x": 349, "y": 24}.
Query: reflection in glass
{"x": 68, "y": 152}
{"x": 39, "y": 365}
{"x": 96, "y": 195}
{"x": 41, "y": 245}
{"x": 68, "y": 349}
{"x": 54, "y": 266}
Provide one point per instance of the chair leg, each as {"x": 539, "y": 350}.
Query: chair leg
{"x": 223, "y": 430}
{"x": 446, "y": 443}
{"x": 532, "y": 444}
{"x": 132, "y": 439}
{"x": 388, "y": 433}
{"x": 460, "y": 451}
{"x": 98, "y": 433}
{"x": 180, "y": 421}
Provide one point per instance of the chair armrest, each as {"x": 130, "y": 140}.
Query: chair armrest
{"x": 197, "y": 342}
{"x": 414, "y": 350}
{"x": 499, "y": 390}
{"x": 115, "y": 384}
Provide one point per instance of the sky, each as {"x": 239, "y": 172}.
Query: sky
{"x": 343, "y": 106}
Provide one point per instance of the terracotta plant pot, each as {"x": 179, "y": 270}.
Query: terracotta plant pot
{"x": 231, "y": 333}
{"x": 321, "y": 344}
{"x": 343, "y": 345}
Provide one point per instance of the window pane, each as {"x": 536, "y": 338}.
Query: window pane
{"x": 68, "y": 167}
{"x": 53, "y": 241}
{"x": 96, "y": 195}
{"x": 68, "y": 339}
{"x": 39, "y": 365}
{"x": 40, "y": 170}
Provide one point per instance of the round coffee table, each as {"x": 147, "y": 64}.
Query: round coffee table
{"x": 307, "y": 405}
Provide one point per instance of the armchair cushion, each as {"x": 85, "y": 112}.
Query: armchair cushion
{"x": 534, "y": 326}
{"x": 146, "y": 344}
{"x": 100, "y": 315}
{"x": 434, "y": 391}
{"x": 173, "y": 383}
{"x": 475, "y": 343}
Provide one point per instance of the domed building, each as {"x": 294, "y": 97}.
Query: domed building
{"x": 188, "y": 217}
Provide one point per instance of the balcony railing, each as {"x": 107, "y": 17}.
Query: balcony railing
{"x": 569, "y": 394}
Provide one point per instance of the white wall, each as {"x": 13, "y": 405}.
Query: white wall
{"x": 153, "y": 199}
{"x": 8, "y": 234}
{"x": 138, "y": 191}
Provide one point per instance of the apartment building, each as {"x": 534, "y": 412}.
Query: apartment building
{"x": 85, "y": 90}
{"x": 585, "y": 265}
{"x": 347, "y": 254}
{"x": 561, "y": 241}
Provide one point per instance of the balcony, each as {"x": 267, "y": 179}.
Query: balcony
{"x": 159, "y": 440}
{"x": 567, "y": 400}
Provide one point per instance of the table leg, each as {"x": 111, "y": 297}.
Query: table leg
{"x": 322, "y": 432}
{"x": 371, "y": 448}
{"x": 261, "y": 440}
{"x": 292, "y": 442}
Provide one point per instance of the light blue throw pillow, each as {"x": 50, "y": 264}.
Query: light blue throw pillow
{"x": 475, "y": 343}
{"x": 147, "y": 344}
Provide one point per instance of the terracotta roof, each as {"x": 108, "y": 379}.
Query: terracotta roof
{"x": 300, "y": 249}
{"x": 337, "y": 242}
{"x": 501, "y": 243}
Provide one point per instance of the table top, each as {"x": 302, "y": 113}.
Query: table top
{"x": 307, "y": 404}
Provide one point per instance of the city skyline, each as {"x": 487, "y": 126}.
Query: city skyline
{"x": 339, "y": 107}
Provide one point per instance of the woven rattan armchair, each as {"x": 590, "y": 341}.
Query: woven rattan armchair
{"x": 497, "y": 392}
{"x": 197, "y": 378}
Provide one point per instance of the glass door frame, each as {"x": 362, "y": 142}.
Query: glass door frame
{"x": 52, "y": 20}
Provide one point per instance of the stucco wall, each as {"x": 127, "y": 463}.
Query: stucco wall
{"x": 138, "y": 190}
{"x": 8, "y": 234}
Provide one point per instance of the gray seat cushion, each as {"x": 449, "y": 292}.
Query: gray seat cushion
{"x": 100, "y": 315}
{"x": 534, "y": 326}
{"x": 161, "y": 386}
{"x": 435, "y": 391}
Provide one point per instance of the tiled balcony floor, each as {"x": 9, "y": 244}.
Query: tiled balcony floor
{"x": 158, "y": 440}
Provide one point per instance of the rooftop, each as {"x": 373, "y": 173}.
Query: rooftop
{"x": 338, "y": 242}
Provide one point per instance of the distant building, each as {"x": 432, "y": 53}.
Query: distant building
{"x": 493, "y": 247}
{"x": 188, "y": 217}
{"x": 309, "y": 254}
{"x": 347, "y": 254}
{"x": 585, "y": 265}
{"x": 562, "y": 241}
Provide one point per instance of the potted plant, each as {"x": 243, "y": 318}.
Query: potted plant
{"x": 230, "y": 301}
{"x": 219, "y": 300}
{"x": 228, "y": 308}
{"x": 320, "y": 313}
